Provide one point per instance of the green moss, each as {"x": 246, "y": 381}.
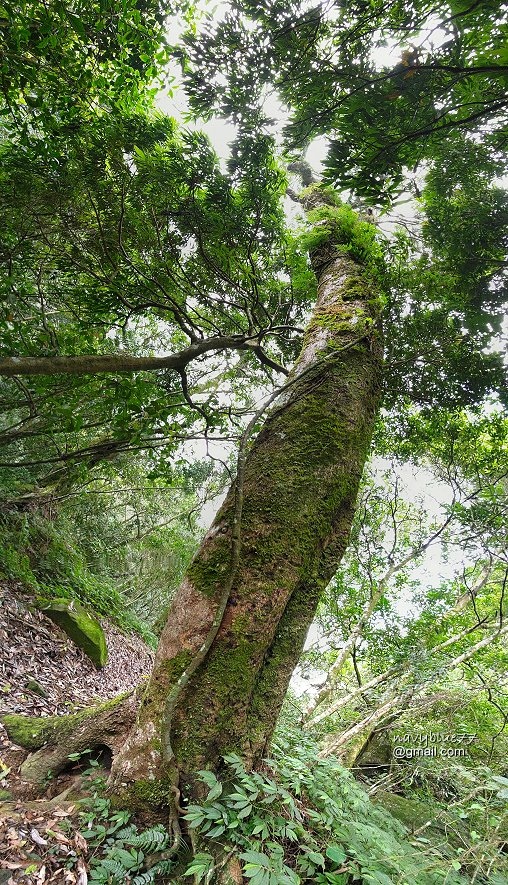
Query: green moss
{"x": 241, "y": 625}
{"x": 27, "y": 731}
{"x": 154, "y": 701}
{"x": 176, "y": 666}
{"x": 208, "y": 570}
{"x": 323, "y": 192}
{"x": 413, "y": 814}
{"x": 84, "y": 630}
{"x": 351, "y": 322}
{"x": 228, "y": 679}
{"x": 143, "y": 794}
{"x": 339, "y": 224}
{"x": 36, "y": 552}
{"x": 33, "y": 732}
{"x": 355, "y": 288}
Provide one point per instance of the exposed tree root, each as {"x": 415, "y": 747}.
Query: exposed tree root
{"x": 231, "y": 873}
{"x": 53, "y": 738}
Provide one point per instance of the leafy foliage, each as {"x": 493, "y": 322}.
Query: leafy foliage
{"x": 447, "y": 73}
{"x": 304, "y": 819}
{"x": 58, "y": 62}
{"x": 120, "y": 851}
{"x": 124, "y": 233}
{"x": 124, "y": 560}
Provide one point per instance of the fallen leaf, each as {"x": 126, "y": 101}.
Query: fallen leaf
{"x": 60, "y": 837}
{"x": 13, "y": 838}
{"x": 37, "y": 838}
{"x": 82, "y": 873}
{"x": 80, "y": 843}
{"x": 61, "y": 813}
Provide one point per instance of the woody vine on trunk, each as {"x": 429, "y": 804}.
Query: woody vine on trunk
{"x": 237, "y": 625}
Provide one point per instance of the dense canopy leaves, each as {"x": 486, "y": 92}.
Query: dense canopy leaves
{"x": 448, "y": 72}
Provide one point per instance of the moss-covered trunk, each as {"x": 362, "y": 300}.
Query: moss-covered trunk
{"x": 299, "y": 490}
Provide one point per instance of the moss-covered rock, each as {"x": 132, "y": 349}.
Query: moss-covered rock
{"x": 84, "y": 630}
{"x": 410, "y": 812}
{"x": 34, "y": 686}
{"x": 414, "y": 814}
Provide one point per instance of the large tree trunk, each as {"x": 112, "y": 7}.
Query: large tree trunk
{"x": 299, "y": 489}
{"x": 238, "y": 623}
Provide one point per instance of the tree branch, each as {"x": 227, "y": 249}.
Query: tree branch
{"x": 93, "y": 364}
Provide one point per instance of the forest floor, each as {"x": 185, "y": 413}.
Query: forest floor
{"x": 42, "y": 673}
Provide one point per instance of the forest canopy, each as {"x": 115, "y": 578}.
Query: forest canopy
{"x": 254, "y": 411}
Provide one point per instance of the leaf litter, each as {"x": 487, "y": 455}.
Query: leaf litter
{"x": 42, "y": 673}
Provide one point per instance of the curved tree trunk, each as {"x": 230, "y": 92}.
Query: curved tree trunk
{"x": 299, "y": 490}
{"x": 237, "y": 626}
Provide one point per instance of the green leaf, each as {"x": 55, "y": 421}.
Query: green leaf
{"x": 128, "y": 860}
{"x": 257, "y": 858}
{"x": 244, "y": 812}
{"x": 215, "y": 792}
{"x": 316, "y": 858}
{"x": 336, "y": 853}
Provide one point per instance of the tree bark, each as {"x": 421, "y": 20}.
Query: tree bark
{"x": 238, "y": 623}
{"x": 52, "y": 738}
{"x": 299, "y": 490}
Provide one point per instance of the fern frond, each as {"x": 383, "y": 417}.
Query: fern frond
{"x": 145, "y": 878}
{"x": 111, "y": 871}
{"x": 150, "y": 841}
{"x": 126, "y": 834}
{"x": 163, "y": 868}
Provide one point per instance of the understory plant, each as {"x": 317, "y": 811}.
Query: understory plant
{"x": 298, "y": 820}
{"x": 302, "y": 819}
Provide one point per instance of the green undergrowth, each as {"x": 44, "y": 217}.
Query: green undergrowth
{"x": 300, "y": 820}
{"x": 35, "y": 552}
{"x": 305, "y": 820}
{"x": 122, "y": 851}
{"x": 118, "y": 849}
